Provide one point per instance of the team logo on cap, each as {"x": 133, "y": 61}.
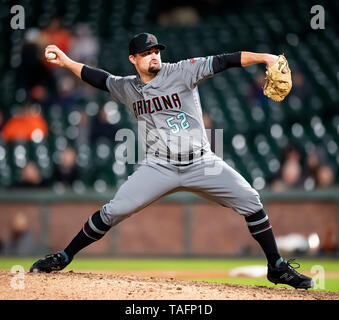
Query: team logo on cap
{"x": 150, "y": 39}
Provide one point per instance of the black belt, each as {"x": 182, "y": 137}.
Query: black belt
{"x": 182, "y": 157}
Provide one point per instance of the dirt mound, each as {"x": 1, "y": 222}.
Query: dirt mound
{"x": 95, "y": 286}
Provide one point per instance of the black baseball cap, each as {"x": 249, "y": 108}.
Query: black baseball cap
{"x": 142, "y": 42}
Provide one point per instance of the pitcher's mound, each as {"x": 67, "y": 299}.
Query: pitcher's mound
{"x": 95, "y": 286}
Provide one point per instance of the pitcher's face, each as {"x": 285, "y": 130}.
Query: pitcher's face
{"x": 147, "y": 62}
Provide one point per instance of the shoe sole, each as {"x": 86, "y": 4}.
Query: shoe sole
{"x": 295, "y": 287}
{"x": 306, "y": 288}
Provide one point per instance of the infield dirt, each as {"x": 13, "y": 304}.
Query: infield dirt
{"x": 113, "y": 286}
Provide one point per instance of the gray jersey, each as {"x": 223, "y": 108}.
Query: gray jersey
{"x": 170, "y": 107}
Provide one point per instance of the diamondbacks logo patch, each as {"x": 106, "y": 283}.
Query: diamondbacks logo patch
{"x": 150, "y": 39}
{"x": 194, "y": 60}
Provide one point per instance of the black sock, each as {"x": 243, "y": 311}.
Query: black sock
{"x": 93, "y": 230}
{"x": 261, "y": 230}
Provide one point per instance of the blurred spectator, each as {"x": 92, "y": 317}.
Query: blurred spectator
{"x": 318, "y": 173}
{"x": 32, "y": 70}
{"x": 179, "y": 16}
{"x": 315, "y": 174}
{"x": 312, "y": 165}
{"x": 57, "y": 35}
{"x": 256, "y": 93}
{"x": 20, "y": 241}
{"x": 291, "y": 153}
{"x": 40, "y": 95}
{"x": 84, "y": 46}
{"x": 324, "y": 177}
{"x": 291, "y": 172}
{"x": 26, "y": 124}
{"x": 290, "y": 177}
{"x": 69, "y": 96}
{"x": 300, "y": 88}
{"x": 66, "y": 172}
{"x": 30, "y": 177}
{"x": 101, "y": 127}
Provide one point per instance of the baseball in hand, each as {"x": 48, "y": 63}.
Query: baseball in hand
{"x": 50, "y": 55}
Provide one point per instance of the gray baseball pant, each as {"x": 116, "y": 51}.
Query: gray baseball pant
{"x": 209, "y": 177}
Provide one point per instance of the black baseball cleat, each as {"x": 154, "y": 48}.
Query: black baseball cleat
{"x": 286, "y": 274}
{"x": 52, "y": 262}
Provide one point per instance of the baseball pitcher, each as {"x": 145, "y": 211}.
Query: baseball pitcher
{"x": 164, "y": 98}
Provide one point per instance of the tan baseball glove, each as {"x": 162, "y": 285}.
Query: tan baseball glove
{"x": 278, "y": 84}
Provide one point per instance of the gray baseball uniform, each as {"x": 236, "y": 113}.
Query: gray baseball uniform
{"x": 174, "y": 131}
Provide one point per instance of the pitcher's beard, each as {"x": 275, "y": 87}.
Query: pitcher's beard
{"x": 154, "y": 69}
